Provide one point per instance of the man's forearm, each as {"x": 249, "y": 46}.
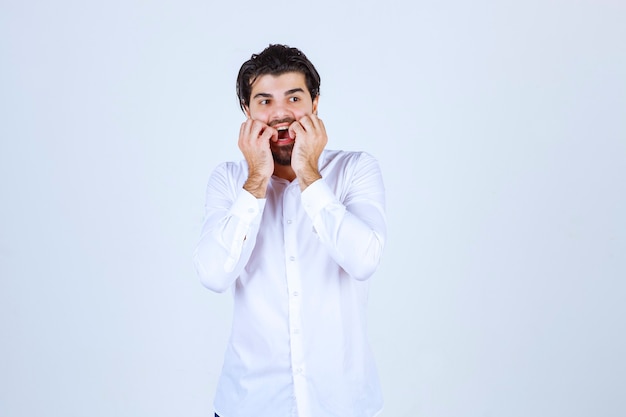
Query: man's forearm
{"x": 256, "y": 185}
{"x": 228, "y": 234}
{"x": 354, "y": 236}
{"x": 307, "y": 177}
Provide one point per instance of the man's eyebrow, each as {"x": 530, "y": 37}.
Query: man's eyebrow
{"x": 265, "y": 95}
{"x": 294, "y": 90}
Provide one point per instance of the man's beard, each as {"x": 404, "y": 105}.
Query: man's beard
{"x": 282, "y": 155}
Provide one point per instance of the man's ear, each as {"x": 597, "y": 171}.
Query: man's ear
{"x": 246, "y": 110}
{"x": 315, "y": 102}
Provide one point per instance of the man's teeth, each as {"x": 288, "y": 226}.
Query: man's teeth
{"x": 282, "y": 128}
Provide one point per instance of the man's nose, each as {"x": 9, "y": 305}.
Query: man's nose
{"x": 280, "y": 111}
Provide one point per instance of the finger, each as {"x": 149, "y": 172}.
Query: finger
{"x": 319, "y": 124}
{"x": 295, "y": 129}
{"x": 307, "y": 123}
{"x": 316, "y": 121}
{"x": 249, "y": 134}
{"x": 312, "y": 124}
{"x": 253, "y": 132}
{"x": 269, "y": 133}
{"x": 252, "y": 127}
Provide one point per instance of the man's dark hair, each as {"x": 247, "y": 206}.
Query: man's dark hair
{"x": 275, "y": 60}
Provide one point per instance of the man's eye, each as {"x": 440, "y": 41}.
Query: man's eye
{"x": 264, "y": 102}
{"x": 294, "y": 99}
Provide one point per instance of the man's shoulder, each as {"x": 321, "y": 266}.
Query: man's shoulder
{"x": 341, "y": 157}
{"x": 232, "y": 167}
{"x": 230, "y": 171}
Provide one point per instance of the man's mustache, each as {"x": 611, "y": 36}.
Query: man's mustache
{"x": 277, "y": 122}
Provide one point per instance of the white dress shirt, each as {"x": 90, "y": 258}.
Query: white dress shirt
{"x": 298, "y": 265}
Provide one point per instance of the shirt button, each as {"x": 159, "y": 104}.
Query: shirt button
{"x": 289, "y": 221}
{"x": 296, "y": 331}
{"x": 250, "y": 210}
{"x": 295, "y": 293}
{"x": 292, "y": 258}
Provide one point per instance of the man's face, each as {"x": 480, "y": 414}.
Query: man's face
{"x": 278, "y": 101}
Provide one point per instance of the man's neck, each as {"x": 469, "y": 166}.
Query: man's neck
{"x": 285, "y": 172}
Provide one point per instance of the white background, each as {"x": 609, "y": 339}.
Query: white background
{"x": 500, "y": 128}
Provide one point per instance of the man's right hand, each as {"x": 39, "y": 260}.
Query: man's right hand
{"x": 254, "y": 142}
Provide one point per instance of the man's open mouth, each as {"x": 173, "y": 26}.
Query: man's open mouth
{"x": 283, "y": 133}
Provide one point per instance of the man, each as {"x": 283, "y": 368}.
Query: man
{"x": 295, "y": 231}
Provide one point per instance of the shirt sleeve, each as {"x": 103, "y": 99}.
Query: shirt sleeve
{"x": 231, "y": 224}
{"x": 353, "y": 227}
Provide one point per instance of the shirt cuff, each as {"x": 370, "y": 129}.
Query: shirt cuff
{"x": 317, "y": 196}
{"x": 247, "y": 207}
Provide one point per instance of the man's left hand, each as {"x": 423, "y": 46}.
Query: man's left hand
{"x": 311, "y": 139}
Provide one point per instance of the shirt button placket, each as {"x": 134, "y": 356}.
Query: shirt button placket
{"x": 290, "y": 205}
